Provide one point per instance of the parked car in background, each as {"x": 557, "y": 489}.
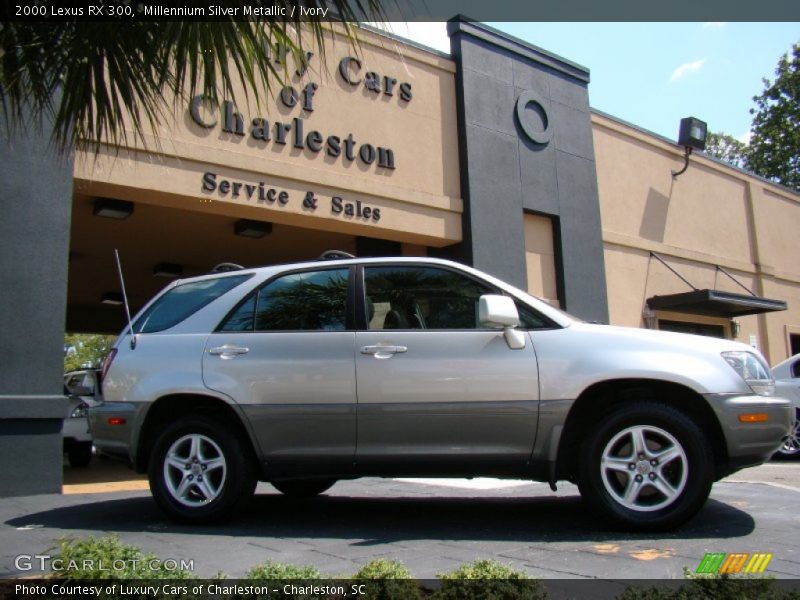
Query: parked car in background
{"x": 83, "y": 390}
{"x": 307, "y": 373}
{"x": 787, "y": 384}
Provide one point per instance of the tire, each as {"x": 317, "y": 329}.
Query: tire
{"x": 303, "y": 488}
{"x": 80, "y": 454}
{"x": 627, "y": 488}
{"x": 790, "y": 448}
{"x": 200, "y": 472}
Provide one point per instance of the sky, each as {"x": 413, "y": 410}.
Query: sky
{"x": 654, "y": 74}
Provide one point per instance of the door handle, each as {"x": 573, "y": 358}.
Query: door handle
{"x": 383, "y": 351}
{"x": 228, "y": 351}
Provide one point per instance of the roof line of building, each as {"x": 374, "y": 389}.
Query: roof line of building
{"x": 713, "y": 159}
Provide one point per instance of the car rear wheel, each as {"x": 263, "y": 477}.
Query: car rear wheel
{"x": 303, "y": 488}
{"x": 200, "y": 471}
{"x": 646, "y": 467}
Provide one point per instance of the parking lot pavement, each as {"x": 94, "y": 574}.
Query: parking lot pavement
{"x": 431, "y": 526}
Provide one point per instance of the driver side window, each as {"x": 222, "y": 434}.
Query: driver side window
{"x": 412, "y": 297}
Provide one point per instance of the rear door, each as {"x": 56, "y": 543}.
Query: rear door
{"x": 435, "y": 388}
{"x": 285, "y": 354}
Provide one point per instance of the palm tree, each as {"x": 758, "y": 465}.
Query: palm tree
{"x": 86, "y": 76}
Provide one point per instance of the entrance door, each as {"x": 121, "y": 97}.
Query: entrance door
{"x": 434, "y": 387}
{"x": 286, "y": 357}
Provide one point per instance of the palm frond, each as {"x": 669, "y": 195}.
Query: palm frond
{"x": 97, "y": 81}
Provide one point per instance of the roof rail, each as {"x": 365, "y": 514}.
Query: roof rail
{"x": 334, "y": 255}
{"x": 226, "y": 267}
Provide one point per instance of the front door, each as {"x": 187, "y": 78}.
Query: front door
{"x": 285, "y": 355}
{"x": 435, "y": 388}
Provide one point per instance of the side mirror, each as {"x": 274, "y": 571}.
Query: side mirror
{"x": 500, "y": 311}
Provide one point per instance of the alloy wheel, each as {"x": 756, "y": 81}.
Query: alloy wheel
{"x": 644, "y": 468}
{"x": 194, "y": 470}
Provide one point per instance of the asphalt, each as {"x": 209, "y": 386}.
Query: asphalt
{"x": 431, "y": 526}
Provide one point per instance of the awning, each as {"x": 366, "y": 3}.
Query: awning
{"x": 714, "y": 303}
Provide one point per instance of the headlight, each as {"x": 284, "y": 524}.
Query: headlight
{"x": 81, "y": 410}
{"x": 752, "y": 369}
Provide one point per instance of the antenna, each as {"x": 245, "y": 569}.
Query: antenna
{"x": 125, "y": 300}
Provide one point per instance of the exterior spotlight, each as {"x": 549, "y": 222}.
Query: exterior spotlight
{"x": 112, "y": 209}
{"x": 692, "y": 136}
{"x": 112, "y": 298}
{"x": 252, "y": 229}
{"x": 168, "y": 270}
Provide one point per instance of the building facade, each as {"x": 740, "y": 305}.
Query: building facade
{"x": 490, "y": 156}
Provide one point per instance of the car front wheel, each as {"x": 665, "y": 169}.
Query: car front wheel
{"x": 646, "y": 466}
{"x": 200, "y": 471}
{"x": 790, "y": 448}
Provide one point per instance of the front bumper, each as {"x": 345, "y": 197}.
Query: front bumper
{"x": 751, "y": 443}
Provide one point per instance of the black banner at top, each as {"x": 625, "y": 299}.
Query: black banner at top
{"x": 400, "y": 10}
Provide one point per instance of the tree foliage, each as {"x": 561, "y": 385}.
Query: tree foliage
{"x": 95, "y": 80}
{"x": 775, "y": 145}
{"x": 85, "y": 350}
{"x": 728, "y": 148}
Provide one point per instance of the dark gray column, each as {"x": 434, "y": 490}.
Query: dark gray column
{"x": 525, "y": 143}
{"x": 35, "y": 204}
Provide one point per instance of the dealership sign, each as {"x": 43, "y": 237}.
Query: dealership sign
{"x": 296, "y": 132}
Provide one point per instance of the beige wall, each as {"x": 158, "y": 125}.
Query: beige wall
{"x": 419, "y": 200}
{"x": 540, "y": 258}
{"x": 710, "y": 215}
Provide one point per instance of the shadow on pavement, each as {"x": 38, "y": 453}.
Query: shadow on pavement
{"x": 380, "y": 520}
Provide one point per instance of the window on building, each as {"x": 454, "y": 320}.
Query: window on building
{"x": 706, "y": 329}
{"x": 794, "y": 343}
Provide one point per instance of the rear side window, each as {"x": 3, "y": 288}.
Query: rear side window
{"x": 308, "y": 301}
{"x": 183, "y": 301}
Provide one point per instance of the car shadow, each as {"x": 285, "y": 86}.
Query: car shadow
{"x": 382, "y": 520}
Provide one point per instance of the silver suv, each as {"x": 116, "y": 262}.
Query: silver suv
{"x": 308, "y": 373}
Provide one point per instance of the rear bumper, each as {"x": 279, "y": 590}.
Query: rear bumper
{"x": 76, "y": 429}
{"x": 113, "y": 439}
{"x": 750, "y": 444}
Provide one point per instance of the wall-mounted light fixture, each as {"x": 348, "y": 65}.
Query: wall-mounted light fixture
{"x": 252, "y": 229}
{"x": 649, "y": 317}
{"x": 692, "y": 136}
{"x": 736, "y": 328}
{"x": 168, "y": 270}
{"x": 112, "y": 299}
{"x": 112, "y": 209}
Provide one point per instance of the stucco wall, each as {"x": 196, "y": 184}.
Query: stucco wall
{"x": 419, "y": 199}
{"x": 710, "y": 215}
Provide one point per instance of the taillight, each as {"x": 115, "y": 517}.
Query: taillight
{"x": 107, "y": 363}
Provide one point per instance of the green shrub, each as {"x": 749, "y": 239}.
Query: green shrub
{"x": 302, "y": 575}
{"x": 390, "y": 580}
{"x": 276, "y": 570}
{"x": 108, "y": 558}
{"x": 714, "y": 586}
{"x": 497, "y": 582}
